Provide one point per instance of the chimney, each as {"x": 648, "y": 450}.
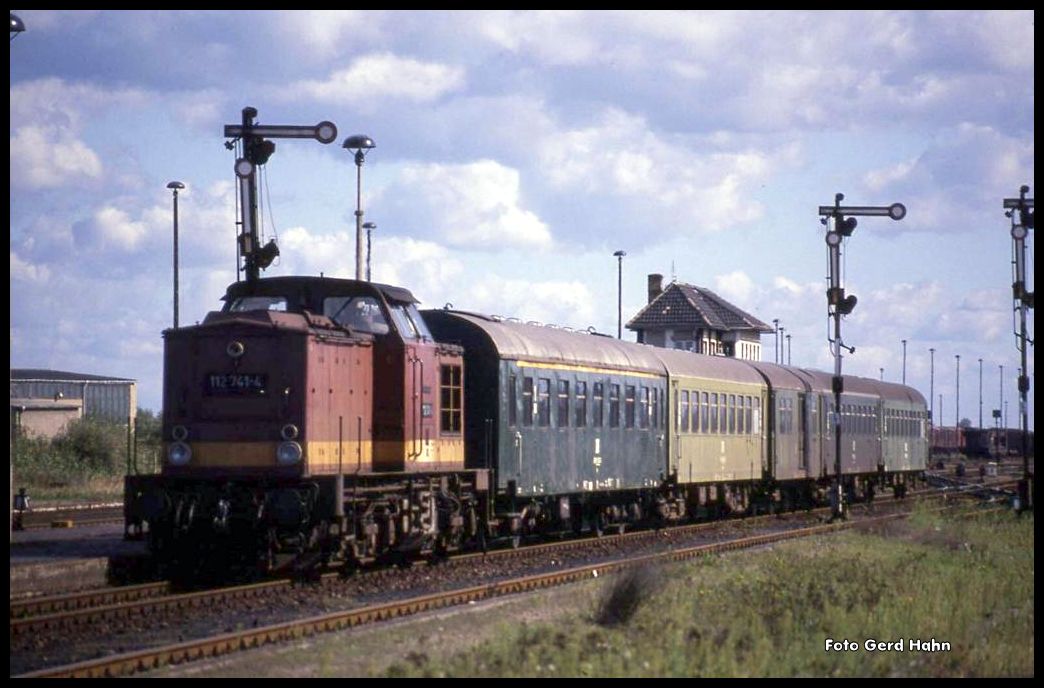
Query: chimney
{"x": 655, "y": 286}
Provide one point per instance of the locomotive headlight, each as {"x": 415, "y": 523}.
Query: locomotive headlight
{"x": 179, "y": 433}
{"x": 289, "y": 432}
{"x": 235, "y": 349}
{"x": 179, "y": 453}
{"x": 289, "y": 453}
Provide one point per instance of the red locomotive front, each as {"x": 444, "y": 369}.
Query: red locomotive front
{"x": 310, "y": 415}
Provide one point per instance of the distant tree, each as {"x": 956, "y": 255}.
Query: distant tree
{"x": 965, "y": 423}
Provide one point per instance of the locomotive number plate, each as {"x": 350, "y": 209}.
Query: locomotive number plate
{"x": 235, "y": 383}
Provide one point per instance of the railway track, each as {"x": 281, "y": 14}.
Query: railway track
{"x": 220, "y": 644}
{"x": 69, "y": 517}
{"x": 45, "y": 613}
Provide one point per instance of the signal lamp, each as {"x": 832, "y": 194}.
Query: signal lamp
{"x": 260, "y": 150}
{"x": 267, "y": 254}
{"x": 847, "y": 304}
{"x": 846, "y": 225}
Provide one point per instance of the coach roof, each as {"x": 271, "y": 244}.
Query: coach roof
{"x": 544, "y": 344}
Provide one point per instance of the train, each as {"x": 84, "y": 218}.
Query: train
{"x": 320, "y": 420}
{"x": 980, "y": 442}
{"x": 316, "y": 420}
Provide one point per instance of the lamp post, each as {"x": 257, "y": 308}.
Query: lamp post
{"x": 931, "y": 387}
{"x": 17, "y": 26}
{"x": 1005, "y": 419}
{"x": 775, "y": 340}
{"x": 904, "y": 361}
{"x": 980, "y": 392}
{"x": 788, "y": 349}
{"x": 957, "y": 414}
{"x": 175, "y": 186}
{"x": 360, "y": 144}
{"x": 369, "y": 227}
{"x": 619, "y": 293}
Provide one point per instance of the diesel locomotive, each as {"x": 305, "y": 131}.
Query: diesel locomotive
{"x": 316, "y": 419}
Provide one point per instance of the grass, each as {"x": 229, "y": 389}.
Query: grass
{"x": 967, "y": 582}
{"x": 86, "y": 462}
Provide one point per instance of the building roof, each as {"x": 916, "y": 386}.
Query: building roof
{"x": 687, "y": 304}
{"x": 46, "y": 404}
{"x": 40, "y": 374}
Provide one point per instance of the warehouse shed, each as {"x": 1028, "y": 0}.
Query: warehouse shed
{"x": 110, "y": 398}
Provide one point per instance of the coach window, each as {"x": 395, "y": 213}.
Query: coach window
{"x": 563, "y": 404}
{"x": 581, "y": 404}
{"x": 757, "y": 415}
{"x": 598, "y": 396}
{"x": 543, "y": 402}
{"x": 654, "y": 411}
{"x": 643, "y": 407}
{"x": 512, "y": 401}
{"x": 450, "y": 397}
{"x": 704, "y": 412}
{"x": 714, "y": 413}
{"x": 683, "y": 412}
{"x": 527, "y": 401}
{"x": 629, "y": 406}
{"x": 732, "y": 414}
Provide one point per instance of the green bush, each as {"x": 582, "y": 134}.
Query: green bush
{"x": 88, "y": 458}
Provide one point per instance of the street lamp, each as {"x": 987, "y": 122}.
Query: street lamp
{"x": 980, "y": 392}
{"x": 361, "y": 144}
{"x": 17, "y": 26}
{"x": 957, "y": 416}
{"x": 619, "y": 293}
{"x": 931, "y": 388}
{"x": 175, "y": 187}
{"x": 369, "y": 227}
{"x": 904, "y": 361}
{"x": 788, "y": 349}
{"x": 775, "y": 340}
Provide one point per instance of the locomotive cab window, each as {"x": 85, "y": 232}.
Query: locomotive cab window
{"x": 451, "y": 398}
{"x": 409, "y": 323}
{"x": 258, "y": 303}
{"x": 360, "y": 313}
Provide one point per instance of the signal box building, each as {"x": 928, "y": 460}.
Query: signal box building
{"x": 691, "y": 318}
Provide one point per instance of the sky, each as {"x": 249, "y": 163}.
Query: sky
{"x": 516, "y": 151}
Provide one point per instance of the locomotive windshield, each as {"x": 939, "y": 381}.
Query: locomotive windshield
{"x": 409, "y": 323}
{"x": 258, "y": 303}
{"x": 360, "y": 313}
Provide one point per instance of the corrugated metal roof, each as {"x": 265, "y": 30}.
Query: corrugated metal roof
{"x": 61, "y": 376}
{"x": 686, "y": 304}
{"x": 690, "y": 364}
{"x": 542, "y": 344}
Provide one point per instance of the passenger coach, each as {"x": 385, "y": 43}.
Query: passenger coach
{"x": 555, "y": 412}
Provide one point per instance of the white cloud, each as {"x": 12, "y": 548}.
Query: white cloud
{"x": 43, "y": 158}
{"x": 26, "y": 271}
{"x": 477, "y": 205}
{"x": 701, "y": 189}
{"x": 373, "y": 78}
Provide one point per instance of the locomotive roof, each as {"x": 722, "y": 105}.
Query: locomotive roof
{"x": 309, "y": 289}
{"x": 690, "y": 364}
{"x": 538, "y": 343}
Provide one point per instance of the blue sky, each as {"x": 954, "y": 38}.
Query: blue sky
{"x": 516, "y": 151}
